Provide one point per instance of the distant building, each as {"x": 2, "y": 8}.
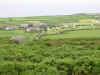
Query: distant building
{"x": 24, "y": 25}
{"x": 37, "y": 27}
{"x": 29, "y": 29}
{"x": 69, "y": 25}
{"x": 65, "y": 25}
{"x": 33, "y": 29}
{"x": 11, "y": 28}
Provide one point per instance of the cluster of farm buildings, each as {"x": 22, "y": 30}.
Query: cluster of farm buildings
{"x": 44, "y": 26}
{"x": 27, "y": 27}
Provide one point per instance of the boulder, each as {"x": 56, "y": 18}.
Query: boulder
{"x": 18, "y": 39}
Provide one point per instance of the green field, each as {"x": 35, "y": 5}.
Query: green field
{"x": 51, "y": 20}
{"x": 75, "y": 34}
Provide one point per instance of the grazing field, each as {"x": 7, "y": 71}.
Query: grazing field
{"x": 74, "y": 34}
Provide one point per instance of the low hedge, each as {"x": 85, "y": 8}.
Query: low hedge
{"x": 80, "y": 66}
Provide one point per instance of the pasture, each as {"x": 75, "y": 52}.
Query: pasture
{"x": 74, "y": 34}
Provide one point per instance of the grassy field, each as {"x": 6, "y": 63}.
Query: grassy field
{"x": 75, "y": 34}
{"x": 53, "y": 35}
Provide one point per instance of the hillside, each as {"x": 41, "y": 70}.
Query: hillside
{"x": 60, "y": 51}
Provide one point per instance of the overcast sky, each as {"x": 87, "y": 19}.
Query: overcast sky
{"x": 18, "y": 8}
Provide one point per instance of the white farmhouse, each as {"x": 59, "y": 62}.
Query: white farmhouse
{"x": 24, "y": 25}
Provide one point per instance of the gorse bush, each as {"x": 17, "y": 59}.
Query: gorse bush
{"x": 80, "y": 66}
{"x": 51, "y": 57}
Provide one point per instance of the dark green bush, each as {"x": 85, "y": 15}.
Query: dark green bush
{"x": 51, "y": 57}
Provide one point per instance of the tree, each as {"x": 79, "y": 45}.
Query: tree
{"x": 10, "y": 19}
